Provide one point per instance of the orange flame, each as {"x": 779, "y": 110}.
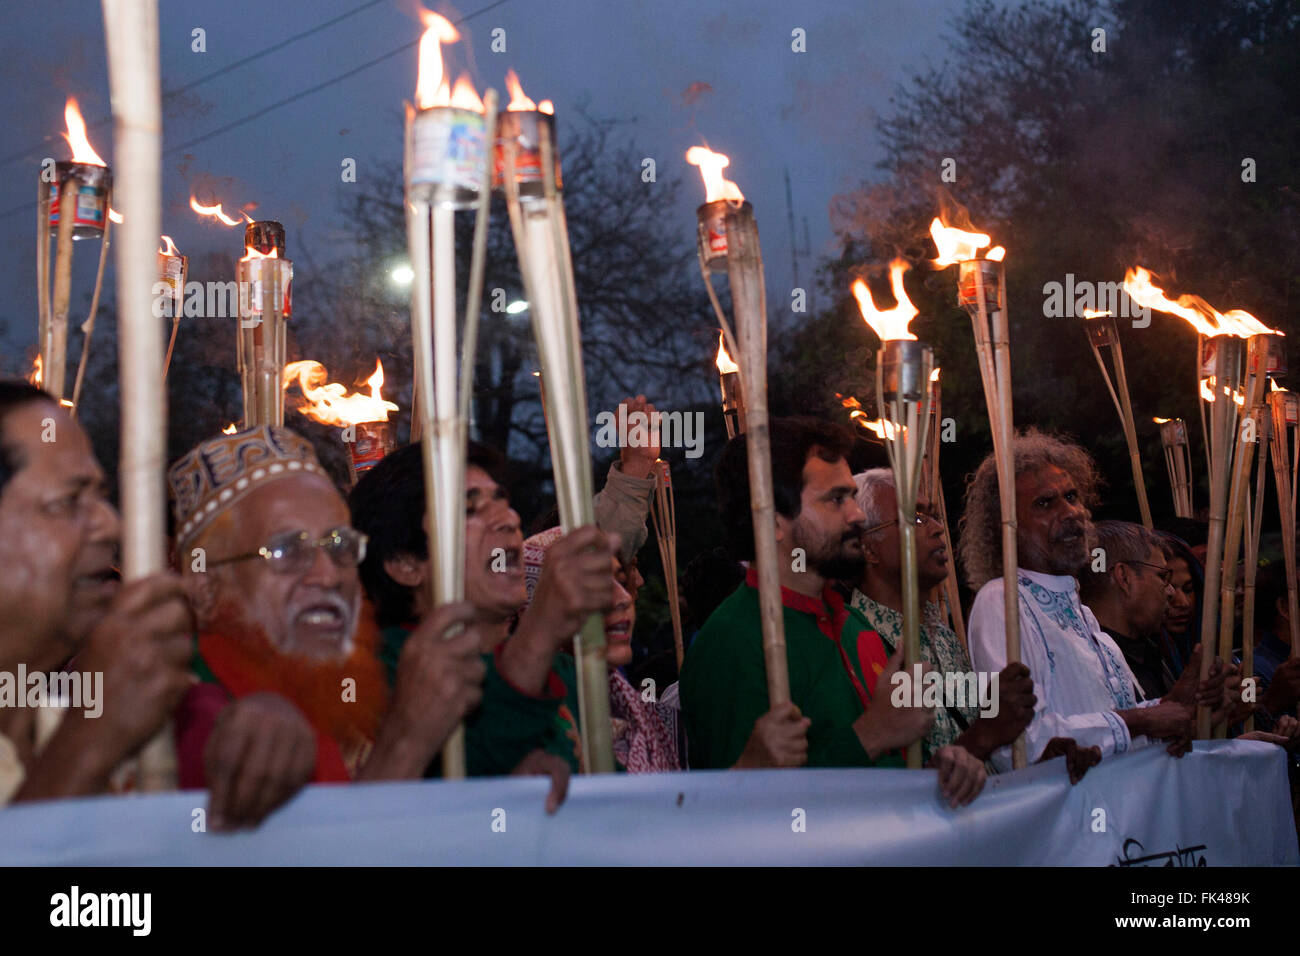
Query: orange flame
{"x": 547, "y": 107}
{"x": 519, "y": 100}
{"x": 169, "y": 249}
{"x": 956, "y": 245}
{"x": 1162, "y": 421}
{"x": 1208, "y": 391}
{"x": 1095, "y": 313}
{"x": 882, "y": 428}
{"x": 724, "y": 361}
{"x": 934, "y": 376}
{"x": 215, "y": 211}
{"x": 115, "y": 216}
{"x": 891, "y": 323}
{"x": 229, "y": 429}
{"x": 437, "y": 31}
{"x": 252, "y": 252}
{"x": 711, "y": 166}
{"x": 1203, "y": 317}
{"x": 465, "y": 97}
{"x": 330, "y": 404}
{"x": 82, "y": 151}
{"x": 37, "y": 375}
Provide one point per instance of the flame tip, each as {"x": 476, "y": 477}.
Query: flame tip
{"x": 82, "y": 151}
{"x": 888, "y": 323}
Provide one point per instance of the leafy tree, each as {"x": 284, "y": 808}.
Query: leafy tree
{"x": 1080, "y": 162}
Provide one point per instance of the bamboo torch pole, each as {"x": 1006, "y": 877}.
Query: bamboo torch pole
{"x": 1201, "y": 403}
{"x": 54, "y": 347}
{"x": 1178, "y": 462}
{"x": 1243, "y": 456}
{"x": 664, "y": 511}
{"x": 536, "y": 210}
{"x": 173, "y": 268}
{"x": 131, "y": 28}
{"x": 1255, "y": 512}
{"x": 1006, "y": 467}
{"x": 88, "y": 327}
{"x": 934, "y": 490}
{"x": 1285, "y": 413}
{"x": 1103, "y": 333}
{"x": 43, "y": 206}
{"x": 903, "y": 397}
{"x": 437, "y": 184}
{"x": 728, "y": 242}
{"x": 1222, "y": 432}
{"x": 982, "y": 292}
{"x": 749, "y": 300}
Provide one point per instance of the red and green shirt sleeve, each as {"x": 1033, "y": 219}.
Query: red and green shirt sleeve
{"x": 724, "y": 683}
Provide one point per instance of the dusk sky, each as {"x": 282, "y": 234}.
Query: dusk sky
{"x": 769, "y": 108}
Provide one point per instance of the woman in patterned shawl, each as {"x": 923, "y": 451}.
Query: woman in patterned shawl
{"x": 644, "y": 730}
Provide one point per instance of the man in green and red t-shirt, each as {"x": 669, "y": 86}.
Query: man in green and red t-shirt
{"x": 841, "y": 714}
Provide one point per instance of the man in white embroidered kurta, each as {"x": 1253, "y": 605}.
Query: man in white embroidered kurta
{"x": 1080, "y": 677}
{"x": 1084, "y": 687}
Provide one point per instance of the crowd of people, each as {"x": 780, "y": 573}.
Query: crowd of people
{"x": 294, "y": 641}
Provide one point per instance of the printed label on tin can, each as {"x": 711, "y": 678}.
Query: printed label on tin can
{"x": 967, "y": 290}
{"x": 88, "y": 209}
{"x": 171, "y": 270}
{"x": 448, "y": 148}
{"x": 373, "y": 442}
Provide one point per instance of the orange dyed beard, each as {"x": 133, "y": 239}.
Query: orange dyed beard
{"x": 240, "y": 652}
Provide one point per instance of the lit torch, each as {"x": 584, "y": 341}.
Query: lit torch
{"x": 981, "y": 291}
{"x": 528, "y": 164}
{"x": 1103, "y": 333}
{"x": 265, "y": 279}
{"x": 445, "y": 158}
{"x": 172, "y": 271}
{"x": 903, "y": 367}
{"x": 1242, "y": 350}
{"x": 728, "y": 242}
{"x": 364, "y": 418}
{"x": 74, "y": 205}
{"x": 265, "y": 301}
{"x": 733, "y": 400}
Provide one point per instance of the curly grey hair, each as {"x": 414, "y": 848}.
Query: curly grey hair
{"x": 980, "y": 544}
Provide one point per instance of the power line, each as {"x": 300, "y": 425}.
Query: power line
{"x": 286, "y": 101}
{"x": 229, "y": 67}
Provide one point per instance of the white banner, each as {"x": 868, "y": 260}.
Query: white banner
{"x": 1225, "y": 804}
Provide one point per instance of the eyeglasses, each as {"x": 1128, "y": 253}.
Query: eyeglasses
{"x": 920, "y": 518}
{"x": 295, "y": 551}
{"x": 1166, "y": 574}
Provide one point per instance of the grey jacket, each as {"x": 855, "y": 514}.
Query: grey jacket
{"x": 621, "y": 508}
